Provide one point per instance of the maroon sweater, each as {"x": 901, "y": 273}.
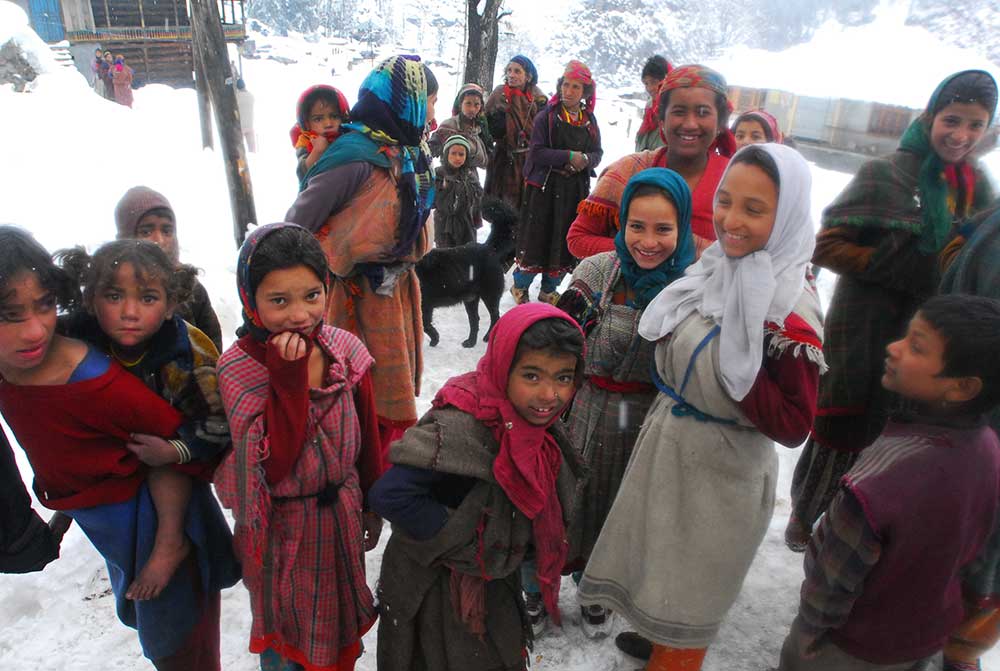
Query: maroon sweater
{"x": 75, "y": 434}
{"x": 930, "y": 494}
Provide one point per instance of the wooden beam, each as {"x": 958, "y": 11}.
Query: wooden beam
{"x": 210, "y": 49}
{"x": 201, "y": 89}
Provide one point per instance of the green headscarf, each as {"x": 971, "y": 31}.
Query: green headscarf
{"x": 968, "y": 86}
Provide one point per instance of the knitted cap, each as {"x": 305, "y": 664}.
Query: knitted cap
{"x": 136, "y": 202}
{"x": 458, "y": 139}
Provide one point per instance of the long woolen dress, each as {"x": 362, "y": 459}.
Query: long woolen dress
{"x": 616, "y": 394}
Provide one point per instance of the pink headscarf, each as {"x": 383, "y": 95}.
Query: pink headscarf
{"x": 580, "y": 72}
{"x": 529, "y": 459}
{"x": 766, "y": 119}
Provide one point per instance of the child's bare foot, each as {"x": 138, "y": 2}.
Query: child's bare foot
{"x": 160, "y": 567}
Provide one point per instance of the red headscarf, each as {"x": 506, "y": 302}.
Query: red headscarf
{"x": 580, "y": 72}
{"x": 529, "y": 459}
{"x": 699, "y": 76}
{"x": 300, "y": 133}
{"x": 766, "y": 119}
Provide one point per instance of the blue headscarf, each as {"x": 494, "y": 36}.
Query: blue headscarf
{"x": 647, "y": 283}
{"x": 529, "y": 69}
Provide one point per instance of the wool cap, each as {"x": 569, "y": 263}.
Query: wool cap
{"x": 136, "y": 202}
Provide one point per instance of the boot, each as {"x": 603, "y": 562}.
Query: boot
{"x": 633, "y": 644}
{"x": 520, "y": 295}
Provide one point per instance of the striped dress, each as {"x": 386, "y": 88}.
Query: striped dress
{"x": 300, "y": 539}
{"x": 609, "y": 408}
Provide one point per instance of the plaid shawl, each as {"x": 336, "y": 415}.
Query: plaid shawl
{"x": 300, "y": 540}
{"x": 873, "y": 236}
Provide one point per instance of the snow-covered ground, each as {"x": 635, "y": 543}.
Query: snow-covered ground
{"x": 66, "y": 156}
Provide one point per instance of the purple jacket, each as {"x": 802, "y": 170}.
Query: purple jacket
{"x": 930, "y": 494}
{"x": 542, "y": 156}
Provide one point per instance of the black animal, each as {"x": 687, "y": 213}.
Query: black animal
{"x": 469, "y": 273}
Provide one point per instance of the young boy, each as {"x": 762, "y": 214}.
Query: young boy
{"x": 321, "y": 111}
{"x": 146, "y": 214}
{"x": 485, "y": 475}
{"x": 885, "y": 567}
{"x": 654, "y": 72}
{"x": 458, "y": 196}
{"x": 467, "y": 119}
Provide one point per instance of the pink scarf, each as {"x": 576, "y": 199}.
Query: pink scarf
{"x": 528, "y": 463}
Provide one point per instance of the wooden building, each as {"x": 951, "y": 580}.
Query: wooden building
{"x": 855, "y": 126}
{"x": 154, "y": 36}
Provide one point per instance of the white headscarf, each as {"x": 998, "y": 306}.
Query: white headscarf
{"x": 741, "y": 294}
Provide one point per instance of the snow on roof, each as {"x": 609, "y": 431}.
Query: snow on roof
{"x": 884, "y": 61}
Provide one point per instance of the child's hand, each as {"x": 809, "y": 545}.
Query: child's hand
{"x": 320, "y": 143}
{"x": 290, "y": 345}
{"x": 373, "y": 529}
{"x": 152, "y": 450}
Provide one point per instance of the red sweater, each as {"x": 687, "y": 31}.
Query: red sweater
{"x": 75, "y": 434}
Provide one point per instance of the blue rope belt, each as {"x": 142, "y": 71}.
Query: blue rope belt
{"x": 682, "y": 407}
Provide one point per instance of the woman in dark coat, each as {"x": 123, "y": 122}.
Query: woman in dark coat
{"x": 510, "y": 111}
{"x": 565, "y": 149}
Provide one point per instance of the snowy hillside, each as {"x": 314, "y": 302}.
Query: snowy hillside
{"x": 67, "y": 156}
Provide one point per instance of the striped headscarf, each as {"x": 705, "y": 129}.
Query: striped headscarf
{"x": 702, "y": 77}
{"x": 391, "y": 112}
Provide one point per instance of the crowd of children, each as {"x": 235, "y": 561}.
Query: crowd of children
{"x": 622, "y": 431}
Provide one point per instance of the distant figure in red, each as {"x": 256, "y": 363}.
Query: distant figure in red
{"x": 121, "y": 75}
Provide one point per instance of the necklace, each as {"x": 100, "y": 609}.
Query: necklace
{"x": 574, "y": 118}
{"x": 127, "y": 364}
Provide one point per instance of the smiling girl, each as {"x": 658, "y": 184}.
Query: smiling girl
{"x": 607, "y": 295}
{"x": 883, "y": 236}
{"x": 487, "y": 477}
{"x": 694, "y": 117}
{"x": 737, "y": 373}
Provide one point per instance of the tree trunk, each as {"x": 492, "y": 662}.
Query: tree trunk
{"x": 483, "y": 34}
{"x": 210, "y": 49}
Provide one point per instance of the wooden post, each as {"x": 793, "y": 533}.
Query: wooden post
{"x": 210, "y": 49}
{"x": 201, "y": 89}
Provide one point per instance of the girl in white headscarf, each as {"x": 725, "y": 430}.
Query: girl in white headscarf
{"x": 737, "y": 366}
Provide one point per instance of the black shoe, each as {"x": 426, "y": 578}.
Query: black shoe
{"x": 633, "y": 644}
